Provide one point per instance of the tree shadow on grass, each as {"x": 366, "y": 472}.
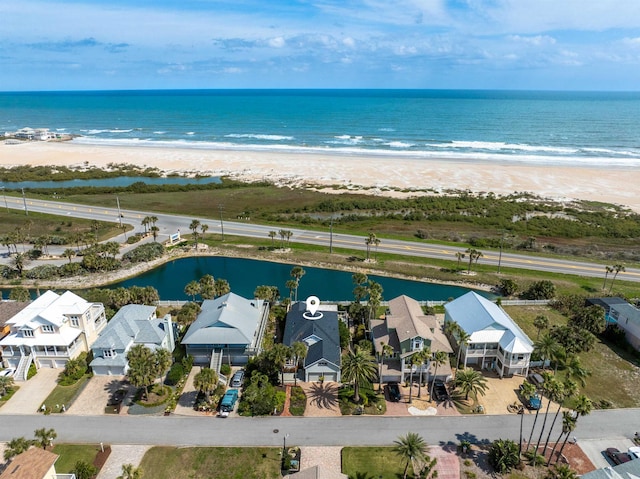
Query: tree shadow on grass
{"x": 323, "y": 396}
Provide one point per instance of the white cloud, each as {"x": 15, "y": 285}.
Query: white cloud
{"x": 277, "y": 42}
{"x": 537, "y": 40}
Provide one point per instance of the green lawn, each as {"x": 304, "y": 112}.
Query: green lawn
{"x": 64, "y": 395}
{"x": 72, "y": 453}
{"x": 212, "y": 462}
{"x": 10, "y": 392}
{"x": 613, "y": 374}
{"x": 378, "y": 462}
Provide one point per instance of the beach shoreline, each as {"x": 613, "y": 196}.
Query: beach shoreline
{"x": 397, "y": 176}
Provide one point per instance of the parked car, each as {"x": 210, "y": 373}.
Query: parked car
{"x": 616, "y": 456}
{"x": 534, "y": 402}
{"x": 7, "y": 372}
{"x": 535, "y": 379}
{"x": 394, "y": 392}
{"x": 440, "y": 390}
{"x": 236, "y": 380}
{"x": 634, "y": 452}
{"x": 228, "y": 402}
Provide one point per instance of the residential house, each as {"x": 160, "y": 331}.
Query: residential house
{"x": 228, "y": 329}
{"x": 408, "y": 330}
{"x": 626, "y": 470}
{"x": 320, "y": 332}
{"x": 496, "y": 341}
{"x": 133, "y": 324}
{"x": 627, "y": 318}
{"x": 606, "y": 303}
{"x": 51, "y": 330}
{"x": 34, "y": 463}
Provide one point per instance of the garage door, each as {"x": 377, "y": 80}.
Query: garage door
{"x": 46, "y": 363}
{"x": 61, "y": 363}
{"x": 314, "y": 377}
{"x": 328, "y": 377}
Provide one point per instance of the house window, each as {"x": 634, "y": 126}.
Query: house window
{"x": 108, "y": 353}
{"x": 417, "y": 344}
{"x": 47, "y": 328}
{"x": 74, "y": 322}
{"x": 27, "y": 333}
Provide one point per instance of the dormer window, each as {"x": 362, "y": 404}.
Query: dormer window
{"x": 27, "y": 333}
{"x": 109, "y": 353}
{"x": 47, "y": 328}
{"x": 417, "y": 344}
{"x": 75, "y": 322}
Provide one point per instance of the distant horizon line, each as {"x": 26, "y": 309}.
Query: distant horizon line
{"x": 328, "y": 90}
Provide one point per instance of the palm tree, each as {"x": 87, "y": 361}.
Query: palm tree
{"x": 221, "y": 287}
{"x": 562, "y": 471}
{"x": 503, "y": 455}
{"x": 45, "y": 437}
{"x": 540, "y": 322}
{"x": 291, "y": 285}
{"x": 299, "y": 351}
{"x": 145, "y": 223}
{"x": 68, "y": 253}
{"x": 371, "y": 239}
{"x": 375, "y": 297}
{"x": 130, "y": 472}
{"x": 5, "y": 383}
{"x": 462, "y": 340}
{"x": 359, "y": 367}
{"x": 192, "y": 289}
{"x": 19, "y": 261}
{"x": 470, "y": 381}
{"x": 568, "y": 425}
{"x": 474, "y": 255}
{"x": 616, "y": 269}
{"x": 439, "y": 359}
{"x": 409, "y": 448}
{"x": 297, "y": 272}
{"x": 17, "y": 446}
{"x": 568, "y": 390}
{"x": 203, "y": 229}
{"x": 607, "y": 270}
{"x": 385, "y": 351}
{"x": 206, "y": 380}
{"x": 154, "y": 231}
{"x": 548, "y": 348}
{"x": 575, "y": 370}
{"x": 552, "y": 388}
{"x": 272, "y": 235}
{"x": 459, "y": 255}
{"x": 207, "y": 287}
{"x": 195, "y": 224}
{"x": 279, "y": 354}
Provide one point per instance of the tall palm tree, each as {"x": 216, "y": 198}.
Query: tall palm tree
{"x": 221, "y": 287}
{"x": 192, "y": 289}
{"x": 385, "y": 351}
{"x": 206, "y": 381}
{"x": 272, "y": 235}
{"x": 568, "y": 425}
{"x": 195, "y": 224}
{"x": 291, "y": 285}
{"x": 19, "y": 261}
{"x": 68, "y": 253}
{"x": 423, "y": 357}
{"x": 203, "y": 229}
{"x": 460, "y": 256}
{"x": 553, "y": 390}
{"x": 569, "y": 389}
{"x": 616, "y": 269}
{"x": 607, "y": 270}
{"x": 474, "y": 255}
{"x": 375, "y": 297}
{"x": 154, "y": 231}
{"x": 369, "y": 240}
{"x": 359, "y": 367}
{"x": 470, "y": 381}
{"x": 439, "y": 359}
{"x": 548, "y": 348}
{"x": 280, "y": 353}
{"x": 409, "y": 448}
{"x": 540, "y": 322}
{"x": 45, "y": 437}
{"x": 576, "y": 371}
{"x": 145, "y": 223}
{"x": 462, "y": 339}
{"x": 297, "y": 272}
{"x": 299, "y": 351}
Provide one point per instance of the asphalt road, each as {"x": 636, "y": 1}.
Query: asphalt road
{"x": 342, "y": 431}
{"x": 169, "y": 224}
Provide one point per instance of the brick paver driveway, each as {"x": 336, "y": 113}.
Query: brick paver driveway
{"x": 93, "y": 398}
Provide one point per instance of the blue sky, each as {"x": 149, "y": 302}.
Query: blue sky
{"x": 477, "y": 44}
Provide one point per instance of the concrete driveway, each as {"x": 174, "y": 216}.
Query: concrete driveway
{"x": 32, "y": 393}
{"x": 93, "y": 398}
{"x": 322, "y": 399}
{"x": 594, "y": 449}
{"x": 501, "y": 393}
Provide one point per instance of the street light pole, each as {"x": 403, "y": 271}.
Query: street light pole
{"x": 24, "y": 200}
{"x": 4, "y": 196}
{"x": 500, "y": 256}
{"x": 221, "y": 209}
{"x": 119, "y": 213}
{"x": 331, "y": 236}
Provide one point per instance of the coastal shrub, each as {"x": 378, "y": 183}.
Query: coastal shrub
{"x": 34, "y": 253}
{"x": 133, "y": 239}
{"x": 544, "y": 289}
{"x": 74, "y": 370}
{"x": 46, "y": 271}
{"x": 188, "y": 313}
{"x": 143, "y": 253}
{"x": 33, "y": 370}
{"x": 6, "y": 272}
{"x": 508, "y": 287}
{"x": 175, "y": 374}
{"x": 20, "y": 293}
{"x": 225, "y": 369}
{"x": 70, "y": 269}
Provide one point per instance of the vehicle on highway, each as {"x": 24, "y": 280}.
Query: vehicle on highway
{"x": 394, "y": 392}
{"x": 440, "y": 390}
{"x": 236, "y": 380}
{"x": 616, "y": 456}
{"x": 228, "y": 402}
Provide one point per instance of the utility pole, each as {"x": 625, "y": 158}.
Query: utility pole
{"x": 24, "y": 200}
{"x": 500, "y": 256}
{"x": 331, "y": 236}
{"x": 119, "y": 213}
{"x": 5, "y": 199}
{"x": 221, "y": 209}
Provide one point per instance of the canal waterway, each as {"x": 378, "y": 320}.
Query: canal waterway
{"x": 244, "y": 275}
{"x": 120, "y": 181}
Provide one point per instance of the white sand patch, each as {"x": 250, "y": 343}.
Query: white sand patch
{"x": 430, "y": 411}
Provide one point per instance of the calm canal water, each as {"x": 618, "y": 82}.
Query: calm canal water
{"x": 244, "y": 275}
{"x": 120, "y": 181}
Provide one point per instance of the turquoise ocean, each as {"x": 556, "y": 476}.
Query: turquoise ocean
{"x": 570, "y": 128}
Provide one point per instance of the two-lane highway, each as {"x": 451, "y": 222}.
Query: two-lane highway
{"x": 169, "y": 224}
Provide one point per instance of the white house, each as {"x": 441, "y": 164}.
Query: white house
{"x": 496, "y": 341}
{"x": 132, "y": 324}
{"x": 51, "y": 330}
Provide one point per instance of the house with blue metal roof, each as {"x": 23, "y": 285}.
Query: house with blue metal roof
{"x": 496, "y": 341}
{"x": 133, "y": 324}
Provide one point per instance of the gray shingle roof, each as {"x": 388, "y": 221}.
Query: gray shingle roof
{"x": 324, "y": 331}
{"x": 126, "y": 326}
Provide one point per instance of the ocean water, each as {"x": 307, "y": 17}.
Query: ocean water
{"x": 509, "y": 126}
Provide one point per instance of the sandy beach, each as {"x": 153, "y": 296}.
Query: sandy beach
{"x": 354, "y": 172}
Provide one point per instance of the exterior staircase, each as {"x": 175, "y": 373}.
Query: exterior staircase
{"x": 216, "y": 363}
{"x": 23, "y": 367}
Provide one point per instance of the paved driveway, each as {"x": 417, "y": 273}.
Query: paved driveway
{"x": 594, "y": 449}
{"x": 322, "y": 399}
{"x": 500, "y": 393}
{"x": 93, "y": 398}
{"x": 32, "y": 393}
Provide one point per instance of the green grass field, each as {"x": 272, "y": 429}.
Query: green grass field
{"x": 72, "y": 453}
{"x": 64, "y": 395}
{"x": 372, "y": 462}
{"x": 212, "y": 462}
